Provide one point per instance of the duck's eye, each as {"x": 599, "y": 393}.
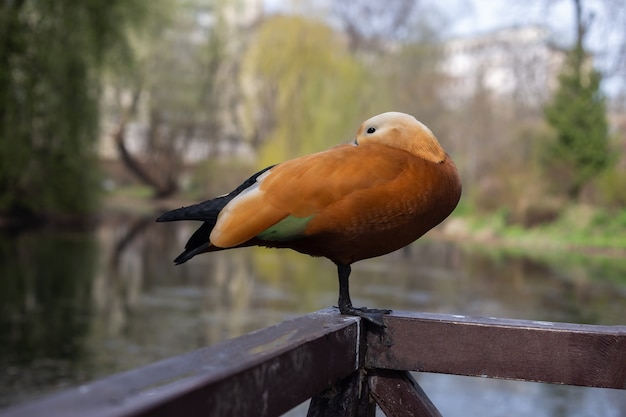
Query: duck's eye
{"x": 371, "y": 130}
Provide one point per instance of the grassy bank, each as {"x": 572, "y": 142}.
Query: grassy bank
{"x": 580, "y": 228}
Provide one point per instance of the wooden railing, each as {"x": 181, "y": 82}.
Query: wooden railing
{"x": 347, "y": 367}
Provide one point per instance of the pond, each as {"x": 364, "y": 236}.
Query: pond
{"x": 79, "y": 306}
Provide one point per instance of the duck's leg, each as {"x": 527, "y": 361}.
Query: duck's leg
{"x": 374, "y": 315}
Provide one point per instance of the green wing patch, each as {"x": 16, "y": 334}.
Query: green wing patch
{"x": 287, "y": 229}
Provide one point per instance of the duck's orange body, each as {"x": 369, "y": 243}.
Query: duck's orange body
{"x": 351, "y": 202}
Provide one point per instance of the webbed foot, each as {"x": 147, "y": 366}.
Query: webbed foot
{"x": 373, "y": 315}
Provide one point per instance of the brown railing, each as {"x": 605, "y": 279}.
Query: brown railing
{"x": 347, "y": 367}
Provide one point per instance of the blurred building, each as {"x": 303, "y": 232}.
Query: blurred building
{"x": 518, "y": 64}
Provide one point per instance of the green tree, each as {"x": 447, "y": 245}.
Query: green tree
{"x": 578, "y": 115}
{"x": 304, "y": 90}
{"x": 51, "y": 56}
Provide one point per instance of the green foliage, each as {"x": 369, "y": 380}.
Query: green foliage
{"x": 578, "y": 114}
{"x": 51, "y": 54}
{"x": 612, "y": 188}
{"x": 578, "y": 226}
{"x": 308, "y": 84}
{"x": 315, "y": 90}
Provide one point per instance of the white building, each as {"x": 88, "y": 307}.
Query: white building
{"x": 520, "y": 63}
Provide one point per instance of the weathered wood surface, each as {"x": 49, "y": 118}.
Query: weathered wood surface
{"x": 399, "y": 395}
{"x": 560, "y": 353}
{"x": 264, "y": 373}
{"x": 335, "y": 359}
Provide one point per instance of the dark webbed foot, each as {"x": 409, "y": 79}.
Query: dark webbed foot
{"x": 373, "y": 315}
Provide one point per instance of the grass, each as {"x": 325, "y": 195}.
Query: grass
{"x": 578, "y": 227}
{"x": 132, "y": 191}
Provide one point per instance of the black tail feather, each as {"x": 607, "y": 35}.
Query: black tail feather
{"x": 197, "y": 243}
{"x": 190, "y": 253}
{"x": 206, "y": 212}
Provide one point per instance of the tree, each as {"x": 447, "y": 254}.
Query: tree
{"x": 370, "y": 23}
{"x": 179, "y": 87}
{"x": 49, "y": 99}
{"x": 304, "y": 91}
{"x": 308, "y": 87}
{"x": 578, "y": 115}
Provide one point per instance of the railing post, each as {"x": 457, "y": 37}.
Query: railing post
{"x": 347, "y": 398}
{"x": 395, "y": 392}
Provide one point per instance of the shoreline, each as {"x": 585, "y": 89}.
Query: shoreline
{"x": 462, "y": 230}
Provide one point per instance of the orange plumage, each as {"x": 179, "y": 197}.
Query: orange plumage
{"x": 351, "y": 202}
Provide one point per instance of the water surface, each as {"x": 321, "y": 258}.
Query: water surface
{"x": 79, "y": 306}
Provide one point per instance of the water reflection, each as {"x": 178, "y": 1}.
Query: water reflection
{"x": 75, "y": 307}
{"x": 45, "y": 310}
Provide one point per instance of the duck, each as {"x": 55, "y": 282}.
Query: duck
{"x": 354, "y": 201}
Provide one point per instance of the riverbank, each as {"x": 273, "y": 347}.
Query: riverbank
{"x": 582, "y": 229}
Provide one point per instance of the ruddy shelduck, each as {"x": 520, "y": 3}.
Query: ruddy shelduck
{"x": 354, "y": 201}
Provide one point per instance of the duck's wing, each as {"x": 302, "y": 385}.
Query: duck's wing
{"x": 283, "y": 200}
